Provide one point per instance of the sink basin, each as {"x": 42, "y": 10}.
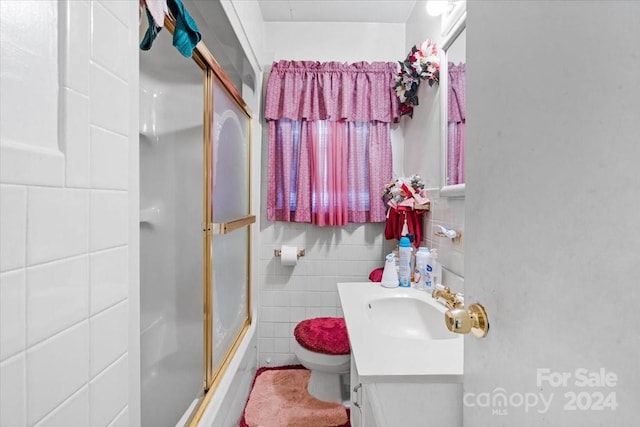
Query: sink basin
{"x": 399, "y": 334}
{"x": 407, "y": 317}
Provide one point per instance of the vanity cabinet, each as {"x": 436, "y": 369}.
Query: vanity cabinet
{"x": 403, "y": 402}
{"x": 406, "y": 367}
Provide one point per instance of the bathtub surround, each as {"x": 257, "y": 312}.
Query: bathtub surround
{"x": 68, "y": 280}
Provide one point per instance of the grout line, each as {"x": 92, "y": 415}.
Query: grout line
{"x": 126, "y": 25}
{"x": 97, "y": 313}
{"x": 14, "y": 356}
{"x": 72, "y": 395}
{"x": 124, "y": 408}
{"x": 97, "y": 64}
{"x": 109, "y": 366}
{"x": 56, "y": 334}
{"x": 65, "y": 258}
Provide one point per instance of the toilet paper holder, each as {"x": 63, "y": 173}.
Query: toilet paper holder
{"x": 278, "y": 252}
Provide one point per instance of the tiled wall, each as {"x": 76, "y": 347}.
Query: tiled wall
{"x": 64, "y": 279}
{"x": 449, "y": 213}
{"x": 291, "y": 294}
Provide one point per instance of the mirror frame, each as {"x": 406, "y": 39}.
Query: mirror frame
{"x": 457, "y": 190}
{"x": 451, "y": 17}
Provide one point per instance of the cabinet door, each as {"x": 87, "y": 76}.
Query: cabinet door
{"x": 367, "y": 418}
{"x": 356, "y": 396}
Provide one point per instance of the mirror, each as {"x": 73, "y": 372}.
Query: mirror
{"x": 452, "y": 92}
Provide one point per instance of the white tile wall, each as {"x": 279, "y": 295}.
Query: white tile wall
{"x": 57, "y": 297}
{"x": 64, "y": 239}
{"x": 109, "y": 277}
{"x": 106, "y": 33}
{"x": 449, "y": 213}
{"x": 57, "y": 225}
{"x": 109, "y": 219}
{"x": 56, "y": 369}
{"x": 13, "y": 223}
{"x": 108, "y": 393}
{"x": 73, "y": 412}
{"x": 109, "y": 160}
{"x": 291, "y": 294}
{"x": 13, "y": 405}
{"x": 12, "y": 313}
{"x": 121, "y": 420}
{"x": 109, "y": 336}
{"x": 107, "y": 90}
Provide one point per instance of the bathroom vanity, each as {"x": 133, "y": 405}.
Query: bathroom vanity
{"x": 406, "y": 367}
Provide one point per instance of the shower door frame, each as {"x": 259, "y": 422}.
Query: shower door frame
{"x": 213, "y": 71}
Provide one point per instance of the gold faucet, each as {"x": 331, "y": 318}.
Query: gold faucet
{"x": 449, "y": 298}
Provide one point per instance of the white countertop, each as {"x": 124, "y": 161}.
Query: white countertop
{"x": 381, "y": 357}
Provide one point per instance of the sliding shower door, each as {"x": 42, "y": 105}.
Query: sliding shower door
{"x": 171, "y": 237}
{"x": 231, "y": 218}
{"x": 195, "y": 228}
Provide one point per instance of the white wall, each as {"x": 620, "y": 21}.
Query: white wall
{"x": 553, "y": 195}
{"x": 333, "y": 254}
{"x": 423, "y": 154}
{"x": 69, "y": 130}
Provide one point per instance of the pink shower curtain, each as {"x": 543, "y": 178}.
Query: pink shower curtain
{"x": 456, "y": 116}
{"x": 329, "y": 141}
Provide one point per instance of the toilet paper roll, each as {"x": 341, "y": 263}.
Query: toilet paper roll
{"x": 289, "y": 255}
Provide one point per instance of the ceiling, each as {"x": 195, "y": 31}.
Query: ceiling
{"x": 381, "y": 11}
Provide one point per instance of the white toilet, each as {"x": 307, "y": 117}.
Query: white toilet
{"x": 322, "y": 346}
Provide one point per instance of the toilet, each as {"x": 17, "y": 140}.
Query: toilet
{"x": 322, "y": 346}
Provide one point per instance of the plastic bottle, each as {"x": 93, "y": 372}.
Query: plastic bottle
{"x": 404, "y": 253}
{"x": 390, "y": 274}
{"x": 437, "y": 268}
{"x": 427, "y": 276}
{"x": 421, "y": 263}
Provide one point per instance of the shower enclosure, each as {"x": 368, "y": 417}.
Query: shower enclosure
{"x": 194, "y": 229}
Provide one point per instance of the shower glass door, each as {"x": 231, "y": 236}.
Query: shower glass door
{"x": 231, "y": 218}
{"x": 194, "y": 229}
{"x": 171, "y": 235}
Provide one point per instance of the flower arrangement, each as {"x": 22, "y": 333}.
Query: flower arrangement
{"x": 406, "y": 193}
{"x": 421, "y": 64}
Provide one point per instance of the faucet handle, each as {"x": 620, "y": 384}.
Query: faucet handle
{"x": 450, "y": 299}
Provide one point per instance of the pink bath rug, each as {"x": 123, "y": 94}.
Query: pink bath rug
{"x": 279, "y": 398}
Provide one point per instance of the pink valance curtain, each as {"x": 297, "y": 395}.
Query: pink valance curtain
{"x": 456, "y": 118}
{"x": 329, "y": 141}
{"x": 306, "y": 90}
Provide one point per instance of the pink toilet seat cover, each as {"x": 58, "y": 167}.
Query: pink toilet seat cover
{"x": 327, "y": 335}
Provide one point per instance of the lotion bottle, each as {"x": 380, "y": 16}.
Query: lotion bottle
{"x": 437, "y": 268}
{"x": 427, "y": 277}
{"x": 389, "y": 274}
{"x": 421, "y": 263}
